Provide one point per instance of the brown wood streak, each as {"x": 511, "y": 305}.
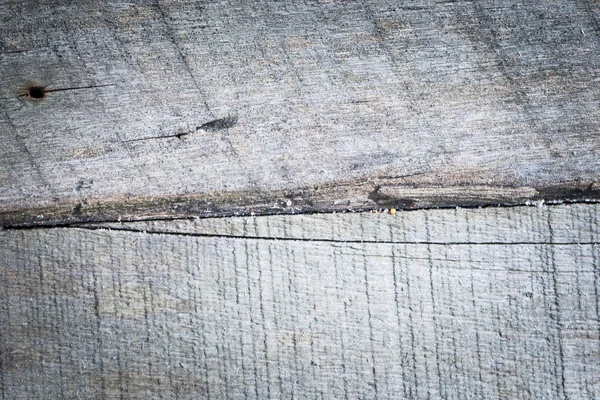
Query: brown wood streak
{"x": 355, "y": 196}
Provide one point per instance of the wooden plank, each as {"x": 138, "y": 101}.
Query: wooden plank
{"x": 508, "y": 309}
{"x": 333, "y": 105}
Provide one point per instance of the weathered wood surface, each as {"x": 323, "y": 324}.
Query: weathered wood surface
{"x": 353, "y": 104}
{"x": 457, "y": 304}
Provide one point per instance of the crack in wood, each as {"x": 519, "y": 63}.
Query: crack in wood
{"x": 342, "y": 241}
{"x": 176, "y": 135}
{"x": 300, "y": 239}
{"x": 42, "y": 90}
{"x": 214, "y": 125}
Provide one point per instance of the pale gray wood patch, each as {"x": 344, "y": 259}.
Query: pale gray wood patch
{"x": 339, "y": 105}
{"x": 508, "y": 309}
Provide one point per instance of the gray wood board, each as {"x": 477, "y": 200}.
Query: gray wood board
{"x": 457, "y": 304}
{"x": 337, "y": 105}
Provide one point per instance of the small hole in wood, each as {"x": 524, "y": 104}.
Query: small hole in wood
{"x": 36, "y": 92}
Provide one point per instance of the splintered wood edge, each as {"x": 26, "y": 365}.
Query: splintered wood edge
{"x": 358, "y": 196}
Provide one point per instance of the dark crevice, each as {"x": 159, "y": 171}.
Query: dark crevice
{"x": 313, "y": 240}
{"x": 37, "y": 92}
{"x": 177, "y": 135}
{"x": 79, "y": 88}
{"x": 81, "y": 220}
{"x": 214, "y": 125}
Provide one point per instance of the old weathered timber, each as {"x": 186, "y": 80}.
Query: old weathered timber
{"x": 168, "y": 108}
{"x": 498, "y": 303}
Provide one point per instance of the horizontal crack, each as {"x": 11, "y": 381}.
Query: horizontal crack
{"x": 214, "y": 125}
{"x": 176, "y": 135}
{"x": 325, "y": 240}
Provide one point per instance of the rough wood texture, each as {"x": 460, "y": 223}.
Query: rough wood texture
{"x": 457, "y": 304}
{"x": 353, "y": 104}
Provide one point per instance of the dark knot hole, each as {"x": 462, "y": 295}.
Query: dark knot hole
{"x": 36, "y": 92}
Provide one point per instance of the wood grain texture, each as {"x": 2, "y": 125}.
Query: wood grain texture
{"x": 458, "y": 304}
{"x": 339, "y": 105}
